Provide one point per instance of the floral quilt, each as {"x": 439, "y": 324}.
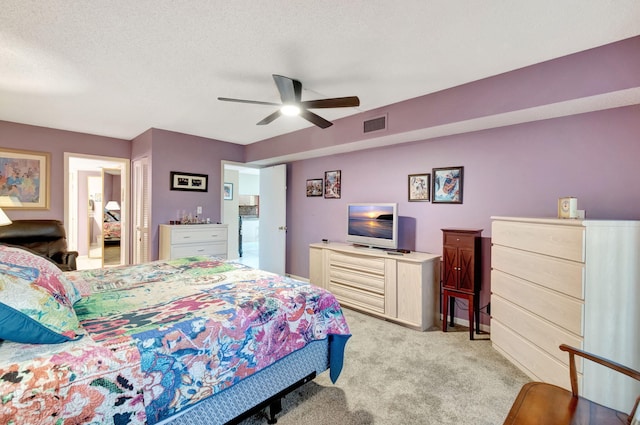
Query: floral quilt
{"x": 160, "y": 337}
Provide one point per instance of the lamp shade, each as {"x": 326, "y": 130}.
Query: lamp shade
{"x": 112, "y": 206}
{"x": 4, "y": 220}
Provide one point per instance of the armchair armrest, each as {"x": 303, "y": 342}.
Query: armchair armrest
{"x": 66, "y": 260}
{"x": 600, "y": 360}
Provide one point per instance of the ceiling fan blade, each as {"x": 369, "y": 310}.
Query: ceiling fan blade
{"x": 290, "y": 89}
{"x": 270, "y": 118}
{"x": 315, "y": 119}
{"x": 336, "y": 102}
{"x": 255, "y": 102}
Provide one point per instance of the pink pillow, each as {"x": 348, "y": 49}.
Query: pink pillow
{"x": 38, "y": 271}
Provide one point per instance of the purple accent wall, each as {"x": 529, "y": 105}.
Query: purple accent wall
{"x": 592, "y": 72}
{"x": 192, "y": 154}
{"x": 57, "y": 142}
{"x": 519, "y": 170}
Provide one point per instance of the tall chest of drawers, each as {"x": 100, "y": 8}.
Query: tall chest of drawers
{"x": 189, "y": 240}
{"x": 576, "y": 282}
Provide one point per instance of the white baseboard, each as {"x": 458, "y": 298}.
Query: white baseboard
{"x": 300, "y": 278}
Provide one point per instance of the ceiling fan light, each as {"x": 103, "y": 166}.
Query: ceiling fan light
{"x": 290, "y": 110}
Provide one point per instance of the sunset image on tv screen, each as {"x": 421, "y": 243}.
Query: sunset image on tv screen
{"x": 371, "y": 221}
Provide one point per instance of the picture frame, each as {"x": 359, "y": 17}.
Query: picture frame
{"x": 332, "y": 184}
{"x": 314, "y": 187}
{"x": 228, "y": 191}
{"x": 419, "y": 187}
{"x": 189, "y": 181}
{"x": 24, "y": 179}
{"x": 447, "y": 185}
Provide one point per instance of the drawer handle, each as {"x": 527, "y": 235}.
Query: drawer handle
{"x": 186, "y": 237}
{"x": 200, "y": 250}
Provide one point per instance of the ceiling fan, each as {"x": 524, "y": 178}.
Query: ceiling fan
{"x": 292, "y": 104}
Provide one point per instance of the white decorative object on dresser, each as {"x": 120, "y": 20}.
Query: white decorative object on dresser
{"x": 576, "y": 282}
{"x": 403, "y": 288}
{"x": 185, "y": 240}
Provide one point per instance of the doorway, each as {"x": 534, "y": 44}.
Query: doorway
{"x": 91, "y": 182}
{"x": 241, "y": 212}
{"x": 267, "y": 203}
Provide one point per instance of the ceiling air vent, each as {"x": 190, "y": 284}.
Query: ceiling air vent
{"x": 375, "y": 124}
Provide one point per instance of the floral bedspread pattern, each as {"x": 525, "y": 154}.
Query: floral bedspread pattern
{"x": 161, "y": 337}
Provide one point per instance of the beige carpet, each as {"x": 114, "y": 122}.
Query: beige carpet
{"x": 395, "y": 375}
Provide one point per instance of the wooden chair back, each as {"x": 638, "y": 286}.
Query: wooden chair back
{"x": 542, "y": 403}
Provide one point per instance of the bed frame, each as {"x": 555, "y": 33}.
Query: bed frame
{"x": 263, "y": 390}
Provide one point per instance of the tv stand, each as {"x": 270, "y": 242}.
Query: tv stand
{"x": 400, "y": 288}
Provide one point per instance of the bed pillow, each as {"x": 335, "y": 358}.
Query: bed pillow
{"x": 45, "y": 273}
{"x": 30, "y": 314}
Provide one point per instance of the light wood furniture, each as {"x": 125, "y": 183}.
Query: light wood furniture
{"x": 557, "y": 281}
{"x": 401, "y": 288}
{"x": 461, "y": 274}
{"x": 542, "y": 403}
{"x": 186, "y": 240}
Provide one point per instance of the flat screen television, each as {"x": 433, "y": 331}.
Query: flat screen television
{"x": 373, "y": 225}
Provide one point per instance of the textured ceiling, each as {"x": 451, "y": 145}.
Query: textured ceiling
{"x": 117, "y": 68}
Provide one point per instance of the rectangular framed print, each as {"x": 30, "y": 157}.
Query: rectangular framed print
{"x": 447, "y": 185}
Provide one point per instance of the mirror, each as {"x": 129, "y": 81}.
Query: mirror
{"x": 94, "y": 187}
{"x": 111, "y": 222}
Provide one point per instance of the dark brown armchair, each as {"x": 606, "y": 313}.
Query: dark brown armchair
{"x": 44, "y": 237}
{"x": 541, "y": 403}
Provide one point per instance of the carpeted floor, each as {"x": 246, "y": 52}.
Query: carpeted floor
{"x": 395, "y": 375}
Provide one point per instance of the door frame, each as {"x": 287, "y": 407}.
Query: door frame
{"x": 95, "y": 163}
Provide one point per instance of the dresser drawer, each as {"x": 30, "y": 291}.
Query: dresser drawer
{"x": 536, "y": 330}
{"x": 367, "y": 264}
{"x": 557, "y": 274}
{"x": 555, "y": 240}
{"x": 538, "y": 364}
{"x": 560, "y": 309}
{"x": 191, "y": 234}
{"x": 357, "y": 298}
{"x": 366, "y": 282}
{"x": 190, "y": 250}
{"x": 459, "y": 240}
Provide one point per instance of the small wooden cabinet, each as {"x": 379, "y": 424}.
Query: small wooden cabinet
{"x": 461, "y": 273}
{"x": 186, "y": 240}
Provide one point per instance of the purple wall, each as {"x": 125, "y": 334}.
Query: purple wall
{"x": 57, "y": 142}
{"x": 519, "y": 170}
{"x": 597, "y": 71}
{"x": 191, "y": 154}
{"x": 167, "y": 151}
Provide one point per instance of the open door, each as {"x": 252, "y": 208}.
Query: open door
{"x": 141, "y": 213}
{"x": 273, "y": 218}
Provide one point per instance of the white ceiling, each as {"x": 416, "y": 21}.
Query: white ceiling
{"x": 117, "y": 68}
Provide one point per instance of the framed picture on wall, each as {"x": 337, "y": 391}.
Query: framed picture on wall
{"x": 419, "y": 187}
{"x": 447, "y": 185}
{"x": 314, "y": 187}
{"x": 189, "y": 181}
{"x": 228, "y": 191}
{"x": 332, "y": 184}
{"x": 24, "y": 179}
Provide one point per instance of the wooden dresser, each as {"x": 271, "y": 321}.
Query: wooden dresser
{"x": 576, "y": 282}
{"x": 402, "y": 288}
{"x": 186, "y": 240}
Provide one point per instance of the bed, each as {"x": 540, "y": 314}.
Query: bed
{"x": 111, "y": 227}
{"x": 192, "y": 340}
